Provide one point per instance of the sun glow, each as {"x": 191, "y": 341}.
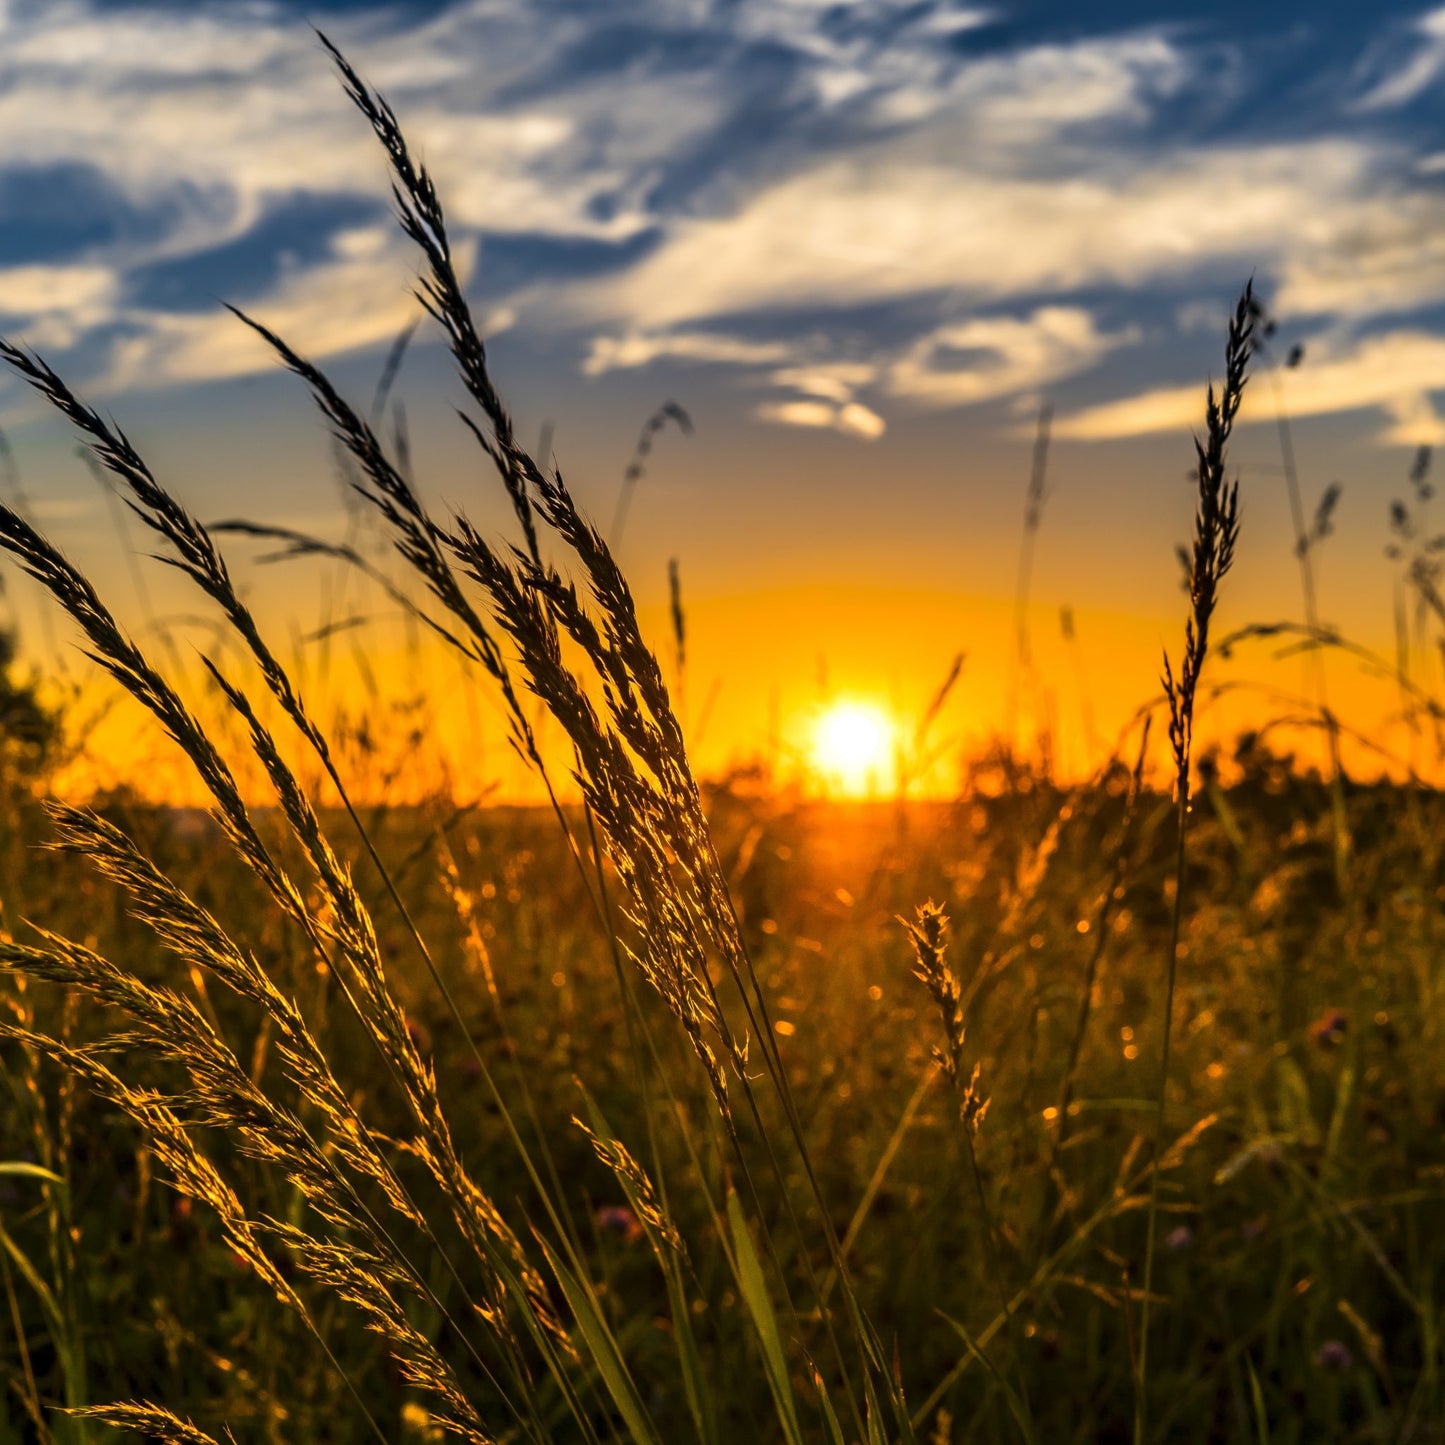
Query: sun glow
{"x": 852, "y": 749}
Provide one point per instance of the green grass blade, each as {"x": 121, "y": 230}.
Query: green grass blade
{"x": 689, "y": 1359}
{"x": 754, "y": 1291}
{"x": 830, "y": 1415}
{"x": 604, "y": 1352}
{"x": 1256, "y": 1396}
{"x": 1015, "y": 1405}
{"x": 694, "y": 1380}
{"x": 16, "y": 1168}
{"x": 70, "y": 1368}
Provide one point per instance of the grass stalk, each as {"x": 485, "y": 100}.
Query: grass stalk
{"x": 1216, "y": 531}
{"x": 1023, "y": 675}
{"x": 1307, "y": 538}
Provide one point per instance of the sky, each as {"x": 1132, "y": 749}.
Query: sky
{"x": 861, "y": 244}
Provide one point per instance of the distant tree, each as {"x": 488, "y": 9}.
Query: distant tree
{"x": 29, "y": 731}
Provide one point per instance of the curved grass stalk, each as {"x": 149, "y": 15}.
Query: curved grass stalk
{"x": 637, "y": 785}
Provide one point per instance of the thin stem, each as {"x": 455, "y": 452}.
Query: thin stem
{"x": 1140, "y": 1410}
{"x": 996, "y": 1270}
{"x": 1023, "y": 668}
{"x": 1096, "y": 954}
{"x": 1316, "y": 662}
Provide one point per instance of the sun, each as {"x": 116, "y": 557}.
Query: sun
{"x": 852, "y": 749}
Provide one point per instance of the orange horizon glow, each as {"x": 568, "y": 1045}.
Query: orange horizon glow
{"x": 818, "y": 688}
{"x": 430, "y": 730}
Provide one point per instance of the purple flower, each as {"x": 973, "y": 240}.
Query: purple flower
{"x": 1179, "y": 1239}
{"x": 620, "y": 1220}
{"x": 1335, "y": 1356}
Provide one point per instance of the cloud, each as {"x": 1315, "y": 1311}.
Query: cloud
{"x": 882, "y": 64}
{"x": 31, "y": 291}
{"x": 1378, "y": 251}
{"x": 638, "y": 349}
{"x": 835, "y": 381}
{"x": 1010, "y": 101}
{"x": 975, "y": 361}
{"x": 1395, "y": 373}
{"x": 238, "y": 102}
{"x": 1410, "y": 77}
{"x": 828, "y": 387}
{"x": 211, "y": 119}
{"x": 835, "y": 41}
{"x": 883, "y": 226}
{"x": 958, "y": 364}
{"x": 52, "y": 307}
{"x": 851, "y": 418}
{"x": 828, "y": 397}
{"x": 357, "y": 296}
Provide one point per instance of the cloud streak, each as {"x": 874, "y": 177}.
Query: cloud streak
{"x": 1396, "y": 373}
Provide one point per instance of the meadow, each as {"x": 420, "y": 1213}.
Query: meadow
{"x": 678, "y": 1110}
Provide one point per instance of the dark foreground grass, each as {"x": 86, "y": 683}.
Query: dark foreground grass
{"x": 1302, "y": 1213}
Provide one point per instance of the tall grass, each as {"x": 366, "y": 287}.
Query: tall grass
{"x": 339, "y": 1058}
{"x": 1216, "y": 530}
{"x": 530, "y": 1310}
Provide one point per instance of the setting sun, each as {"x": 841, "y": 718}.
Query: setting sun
{"x": 853, "y": 748}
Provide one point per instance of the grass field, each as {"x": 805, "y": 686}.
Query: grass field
{"x": 1086, "y": 1113}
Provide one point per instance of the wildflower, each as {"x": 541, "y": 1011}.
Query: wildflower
{"x": 619, "y": 1219}
{"x": 643, "y": 1210}
{"x": 1179, "y": 1239}
{"x": 1335, "y": 1356}
{"x": 1329, "y": 1030}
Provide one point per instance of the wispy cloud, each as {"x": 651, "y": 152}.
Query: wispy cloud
{"x": 640, "y": 348}
{"x": 1406, "y": 70}
{"x": 1396, "y": 374}
{"x": 887, "y": 226}
{"x": 852, "y": 418}
{"x": 207, "y": 121}
{"x": 355, "y": 297}
{"x": 1000, "y": 356}
{"x": 826, "y": 395}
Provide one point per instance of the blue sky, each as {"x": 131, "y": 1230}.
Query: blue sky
{"x": 860, "y": 242}
{"x": 859, "y": 211}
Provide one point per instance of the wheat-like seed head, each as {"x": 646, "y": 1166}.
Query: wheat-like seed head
{"x": 153, "y": 1421}
{"x": 655, "y": 1220}
{"x": 928, "y": 933}
{"x": 1216, "y": 531}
